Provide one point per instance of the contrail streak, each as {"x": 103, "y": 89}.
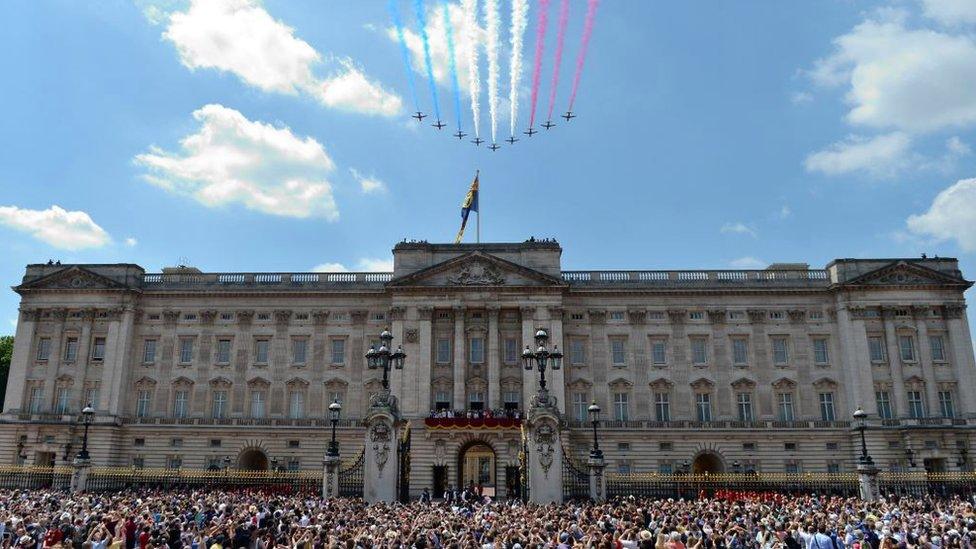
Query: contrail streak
{"x": 520, "y": 11}
{"x": 584, "y": 44}
{"x": 452, "y": 64}
{"x": 470, "y": 8}
{"x": 418, "y": 6}
{"x": 398, "y": 23}
{"x": 560, "y": 41}
{"x": 540, "y": 40}
{"x": 492, "y": 23}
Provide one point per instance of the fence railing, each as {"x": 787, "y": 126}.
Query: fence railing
{"x": 103, "y": 479}
{"x": 795, "y": 277}
{"x": 35, "y": 477}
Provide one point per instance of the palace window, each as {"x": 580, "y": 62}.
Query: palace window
{"x": 258, "y": 400}
{"x": 659, "y": 352}
{"x": 699, "y": 351}
{"x": 296, "y": 404}
{"x": 827, "y": 406}
{"x": 906, "y": 346}
{"x": 916, "y": 407}
{"x": 884, "y": 404}
{"x": 476, "y": 348}
{"x": 821, "y": 355}
{"x": 43, "y": 348}
{"x": 744, "y": 406}
{"x": 218, "y": 407}
{"x": 186, "y": 350}
{"x": 945, "y": 404}
{"x": 71, "y": 349}
{"x": 180, "y": 399}
{"x": 577, "y": 352}
{"x": 299, "y": 348}
{"x": 662, "y": 407}
{"x": 476, "y": 400}
{"x": 338, "y": 351}
{"x": 510, "y": 400}
{"x": 98, "y": 348}
{"x": 91, "y": 396}
{"x": 703, "y": 406}
{"x": 143, "y": 400}
{"x": 937, "y": 344}
{"x": 149, "y": 351}
{"x": 785, "y": 405}
{"x": 36, "y": 400}
{"x": 223, "y": 351}
{"x": 443, "y": 351}
{"x": 740, "y": 351}
{"x": 174, "y": 462}
{"x": 63, "y": 400}
{"x": 621, "y": 407}
{"x": 511, "y": 351}
{"x": 618, "y": 352}
{"x": 580, "y": 406}
{"x": 261, "y": 351}
{"x": 442, "y": 400}
{"x": 616, "y": 315}
{"x": 876, "y": 348}
{"x": 781, "y": 350}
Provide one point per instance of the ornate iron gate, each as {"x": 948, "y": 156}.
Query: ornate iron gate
{"x": 351, "y": 477}
{"x": 403, "y": 478}
{"x": 576, "y": 479}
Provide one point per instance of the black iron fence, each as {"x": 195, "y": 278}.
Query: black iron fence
{"x": 351, "y": 477}
{"x": 35, "y": 477}
{"x": 102, "y": 479}
{"x": 576, "y": 479}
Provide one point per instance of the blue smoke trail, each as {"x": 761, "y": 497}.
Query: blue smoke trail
{"x": 395, "y": 13}
{"x": 454, "y": 76}
{"x": 418, "y": 6}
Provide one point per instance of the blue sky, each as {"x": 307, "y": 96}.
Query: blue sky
{"x": 274, "y": 136}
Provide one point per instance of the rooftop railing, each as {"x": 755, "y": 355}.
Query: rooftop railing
{"x": 163, "y": 281}
{"x": 763, "y": 278}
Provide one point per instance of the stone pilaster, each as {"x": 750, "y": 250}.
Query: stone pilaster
{"x": 382, "y": 436}
{"x": 545, "y": 453}
{"x": 530, "y": 380}
{"x": 424, "y": 357}
{"x": 22, "y": 359}
{"x": 856, "y": 362}
{"x": 330, "y": 477}
{"x": 961, "y": 354}
{"x": 460, "y": 360}
{"x": 494, "y": 361}
{"x": 115, "y": 371}
{"x": 900, "y": 398}
{"x": 556, "y": 380}
{"x": 925, "y": 359}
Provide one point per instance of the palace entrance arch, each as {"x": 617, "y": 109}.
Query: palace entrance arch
{"x": 476, "y": 465}
{"x": 707, "y": 462}
{"x": 253, "y": 459}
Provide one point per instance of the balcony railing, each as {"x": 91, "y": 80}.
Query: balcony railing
{"x": 166, "y": 281}
{"x": 718, "y": 424}
{"x": 242, "y": 421}
{"x": 807, "y": 278}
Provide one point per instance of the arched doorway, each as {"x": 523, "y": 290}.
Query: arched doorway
{"x": 476, "y": 466}
{"x": 252, "y": 459}
{"x": 707, "y": 462}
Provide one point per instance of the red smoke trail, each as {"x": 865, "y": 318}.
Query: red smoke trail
{"x": 560, "y": 40}
{"x": 540, "y": 40}
{"x": 584, "y": 44}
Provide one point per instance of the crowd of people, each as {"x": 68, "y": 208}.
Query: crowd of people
{"x": 260, "y": 520}
{"x": 507, "y": 413}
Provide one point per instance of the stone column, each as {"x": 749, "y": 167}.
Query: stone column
{"x": 961, "y": 354}
{"x": 598, "y": 482}
{"x": 530, "y": 380}
{"x": 85, "y": 344}
{"x": 330, "y": 477}
{"x": 925, "y": 359}
{"x": 867, "y": 478}
{"x": 460, "y": 364}
{"x": 494, "y": 361}
{"x": 856, "y": 361}
{"x": 894, "y": 360}
{"x": 382, "y": 435}
{"x": 79, "y": 476}
{"x": 424, "y": 360}
{"x": 556, "y": 379}
{"x": 22, "y": 358}
{"x": 545, "y": 453}
{"x": 118, "y": 345}
{"x": 398, "y": 378}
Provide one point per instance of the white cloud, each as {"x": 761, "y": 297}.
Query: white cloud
{"x": 952, "y": 215}
{"x": 131, "y": 241}
{"x": 437, "y": 40}
{"x": 785, "y": 211}
{"x": 738, "y": 228}
{"x": 880, "y": 156}
{"x": 56, "y": 226}
{"x": 950, "y": 12}
{"x": 368, "y": 184}
{"x": 363, "y": 265}
{"x": 800, "y": 98}
{"x": 748, "y": 262}
{"x": 913, "y": 80}
{"x": 235, "y": 160}
{"x": 957, "y": 147}
{"x": 242, "y": 38}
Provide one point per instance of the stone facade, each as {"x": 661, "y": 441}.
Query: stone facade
{"x": 714, "y": 370}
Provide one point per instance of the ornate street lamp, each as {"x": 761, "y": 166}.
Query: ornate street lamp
{"x": 226, "y": 462}
{"x": 594, "y": 411}
{"x": 735, "y": 466}
{"x": 859, "y": 416}
{"x": 385, "y": 359}
{"x": 87, "y": 417}
{"x": 274, "y": 464}
{"x": 541, "y": 359}
{"x": 910, "y": 454}
{"x": 334, "y": 410}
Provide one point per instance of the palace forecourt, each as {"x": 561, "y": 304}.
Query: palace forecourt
{"x": 693, "y": 374}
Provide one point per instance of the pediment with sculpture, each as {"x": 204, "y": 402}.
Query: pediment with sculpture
{"x": 476, "y": 270}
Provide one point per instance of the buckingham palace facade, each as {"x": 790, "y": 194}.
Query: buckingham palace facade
{"x": 714, "y": 370}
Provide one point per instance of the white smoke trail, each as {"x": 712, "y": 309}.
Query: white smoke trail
{"x": 520, "y": 10}
{"x": 470, "y": 8}
{"x": 491, "y": 45}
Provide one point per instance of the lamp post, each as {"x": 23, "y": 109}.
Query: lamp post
{"x": 274, "y": 464}
{"x": 542, "y": 359}
{"x": 87, "y": 417}
{"x": 735, "y": 466}
{"x": 384, "y": 358}
{"x": 334, "y": 410}
{"x": 859, "y": 416}
{"x": 594, "y": 411}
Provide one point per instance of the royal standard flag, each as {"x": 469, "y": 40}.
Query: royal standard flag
{"x": 469, "y": 205}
